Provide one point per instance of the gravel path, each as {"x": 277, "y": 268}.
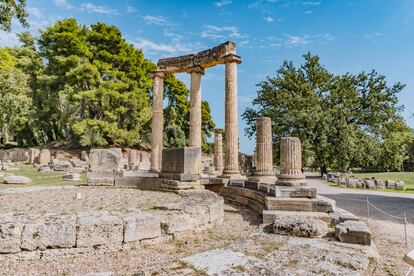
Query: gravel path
{"x": 92, "y": 199}
{"x": 388, "y": 232}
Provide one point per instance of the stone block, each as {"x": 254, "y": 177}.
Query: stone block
{"x": 340, "y": 215}
{"x": 399, "y": 185}
{"x": 369, "y": 184}
{"x": 216, "y": 210}
{"x": 71, "y": 177}
{"x": 139, "y": 226}
{"x": 10, "y": 234}
{"x": 299, "y": 225}
{"x": 289, "y": 204}
{"x": 33, "y": 155}
{"x": 323, "y": 204}
{"x": 379, "y": 183}
{"x": 99, "y": 228}
{"x": 44, "y": 157}
{"x": 270, "y": 215}
{"x": 50, "y": 231}
{"x": 181, "y": 163}
{"x": 351, "y": 182}
{"x": 62, "y": 165}
{"x": 353, "y": 232}
{"x": 390, "y": 184}
{"x": 105, "y": 160}
{"x": 16, "y": 179}
{"x": 253, "y": 185}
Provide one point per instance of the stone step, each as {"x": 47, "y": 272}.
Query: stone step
{"x": 270, "y": 215}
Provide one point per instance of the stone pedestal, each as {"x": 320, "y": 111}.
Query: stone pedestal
{"x": 181, "y": 164}
{"x": 44, "y": 157}
{"x": 291, "y": 163}
{"x": 218, "y": 150}
{"x": 264, "y": 172}
{"x": 157, "y": 124}
{"x": 133, "y": 161}
{"x": 231, "y": 146}
{"x": 33, "y": 155}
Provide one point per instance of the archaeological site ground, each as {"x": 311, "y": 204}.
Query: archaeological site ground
{"x": 110, "y": 165}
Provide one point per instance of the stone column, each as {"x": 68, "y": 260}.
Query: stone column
{"x": 195, "y": 108}
{"x": 157, "y": 124}
{"x": 218, "y": 150}
{"x": 231, "y": 143}
{"x": 264, "y": 152}
{"x": 291, "y": 163}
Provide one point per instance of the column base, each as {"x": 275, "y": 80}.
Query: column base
{"x": 270, "y": 179}
{"x": 291, "y": 180}
{"x": 232, "y": 175}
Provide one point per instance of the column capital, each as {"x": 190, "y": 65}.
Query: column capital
{"x": 196, "y": 69}
{"x": 160, "y": 74}
{"x": 218, "y": 131}
{"x": 232, "y": 58}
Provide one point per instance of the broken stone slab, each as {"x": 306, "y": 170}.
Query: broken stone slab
{"x": 105, "y": 160}
{"x": 299, "y": 225}
{"x": 62, "y": 165}
{"x": 139, "y": 226}
{"x": 399, "y": 185}
{"x": 340, "y": 215}
{"x": 390, "y": 184}
{"x": 44, "y": 169}
{"x": 352, "y": 231}
{"x": 99, "y": 228}
{"x": 369, "y": 184}
{"x": 71, "y": 177}
{"x": 50, "y": 231}
{"x": 16, "y": 179}
{"x": 352, "y": 182}
{"x": 379, "y": 183}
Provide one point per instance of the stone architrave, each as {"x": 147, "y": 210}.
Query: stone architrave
{"x": 264, "y": 172}
{"x": 218, "y": 150}
{"x": 33, "y": 155}
{"x": 181, "y": 164}
{"x": 231, "y": 143}
{"x": 133, "y": 161}
{"x": 291, "y": 163}
{"x": 157, "y": 123}
{"x": 44, "y": 157}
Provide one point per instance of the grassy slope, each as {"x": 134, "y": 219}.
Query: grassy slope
{"x": 49, "y": 178}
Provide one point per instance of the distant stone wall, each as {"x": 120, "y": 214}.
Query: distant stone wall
{"x": 14, "y": 155}
{"x": 45, "y": 236}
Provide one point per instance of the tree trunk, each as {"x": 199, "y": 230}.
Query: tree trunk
{"x": 324, "y": 169}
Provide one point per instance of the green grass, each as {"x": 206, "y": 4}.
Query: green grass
{"x": 48, "y": 178}
{"x": 407, "y": 177}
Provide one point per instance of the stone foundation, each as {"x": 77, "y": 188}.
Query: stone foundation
{"x": 44, "y": 236}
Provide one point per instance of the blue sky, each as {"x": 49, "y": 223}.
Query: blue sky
{"x": 348, "y": 35}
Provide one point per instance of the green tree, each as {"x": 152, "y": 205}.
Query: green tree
{"x": 10, "y": 9}
{"x": 15, "y": 101}
{"x": 341, "y": 120}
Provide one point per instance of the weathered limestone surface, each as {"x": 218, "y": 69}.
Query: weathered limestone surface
{"x": 16, "y": 179}
{"x": 181, "y": 163}
{"x": 231, "y": 147}
{"x": 105, "y": 160}
{"x": 139, "y": 226}
{"x": 157, "y": 123}
{"x": 11, "y": 231}
{"x": 33, "y": 155}
{"x": 44, "y": 157}
{"x": 264, "y": 152}
{"x": 195, "y": 113}
{"x": 99, "y": 228}
{"x": 14, "y": 155}
{"x": 340, "y": 215}
{"x": 291, "y": 163}
{"x": 299, "y": 225}
{"x": 133, "y": 159}
{"x": 270, "y": 215}
{"x": 352, "y": 231}
{"x": 218, "y": 150}
{"x": 50, "y": 231}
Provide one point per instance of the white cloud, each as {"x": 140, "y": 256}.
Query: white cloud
{"x": 222, "y": 3}
{"x": 219, "y": 33}
{"x": 373, "y": 35}
{"x": 63, "y": 4}
{"x": 311, "y": 3}
{"x": 8, "y": 39}
{"x": 35, "y": 12}
{"x": 156, "y": 20}
{"x": 268, "y": 19}
{"x": 91, "y": 8}
{"x": 245, "y": 99}
{"x": 173, "y": 48}
{"x": 308, "y": 12}
{"x": 289, "y": 40}
{"x": 131, "y": 9}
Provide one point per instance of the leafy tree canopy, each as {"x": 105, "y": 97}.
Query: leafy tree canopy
{"x": 10, "y": 9}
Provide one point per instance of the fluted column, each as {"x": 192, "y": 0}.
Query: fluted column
{"x": 157, "y": 124}
{"x": 264, "y": 152}
{"x": 218, "y": 149}
{"x": 231, "y": 146}
{"x": 291, "y": 162}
